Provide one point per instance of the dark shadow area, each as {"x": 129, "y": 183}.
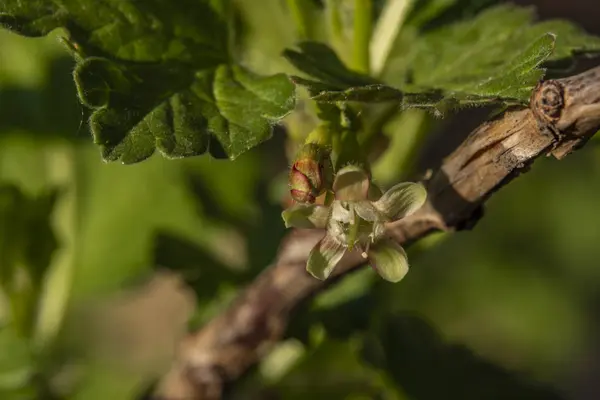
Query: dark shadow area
{"x": 449, "y": 134}
{"x": 427, "y": 368}
{"x": 461, "y": 9}
{"x": 416, "y": 357}
{"x": 39, "y": 112}
{"x": 199, "y": 269}
{"x": 262, "y": 232}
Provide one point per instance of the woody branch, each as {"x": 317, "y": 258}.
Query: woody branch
{"x": 563, "y": 114}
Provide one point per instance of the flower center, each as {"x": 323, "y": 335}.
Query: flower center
{"x": 350, "y": 230}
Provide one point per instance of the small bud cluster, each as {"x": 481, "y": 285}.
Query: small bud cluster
{"x": 311, "y": 174}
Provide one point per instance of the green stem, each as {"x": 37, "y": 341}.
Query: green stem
{"x": 301, "y": 16}
{"x": 336, "y": 34}
{"x": 363, "y": 20}
{"x": 54, "y": 295}
{"x": 386, "y": 31}
{"x": 321, "y": 135}
{"x": 335, "y": 22}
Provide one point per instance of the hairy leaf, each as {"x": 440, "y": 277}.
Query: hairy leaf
{"x": 319, "y": 61}
{"x": 159, "y": 76}
{"x": 496, "y": 57}
{"x": 460, "y": 55}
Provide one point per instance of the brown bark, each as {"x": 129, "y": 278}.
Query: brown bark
{"x": 562, "y": 116}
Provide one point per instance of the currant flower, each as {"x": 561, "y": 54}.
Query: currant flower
{"x": 356, "y": 221}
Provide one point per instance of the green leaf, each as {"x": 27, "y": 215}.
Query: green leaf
{"x": 429, "y": 14}
{"x": 517, "y": 78}
{"x": 337, "y": 83}
{"x": 321, "y": 62}
{"x": 160, "y": 77}
{"x": 116, "y": 238}
{"x": 501, "y": 44}
{"x": 497, "y": 57}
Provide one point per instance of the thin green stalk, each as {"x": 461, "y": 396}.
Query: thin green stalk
{"x": 386, "y": 31}
{"x": 321, "y": 135}
{"x": 363, "y": 21}
{"x": 334, "y": 22}
{"x": 57, "y": 284}
{"x": 300, "y": 12}
{"x": 335, "y": 30}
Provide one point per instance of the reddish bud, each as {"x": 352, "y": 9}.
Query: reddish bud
{"x": 311, "y": 174}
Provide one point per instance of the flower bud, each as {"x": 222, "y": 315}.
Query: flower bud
{"x": 311, "y": 174}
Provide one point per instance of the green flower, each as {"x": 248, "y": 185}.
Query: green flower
{"x": 355, "y": 221}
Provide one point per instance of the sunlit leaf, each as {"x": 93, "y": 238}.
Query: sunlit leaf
{"x": 160, "y": 77}
{"x": 498, "y": 57}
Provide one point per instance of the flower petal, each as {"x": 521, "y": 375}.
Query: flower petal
{"x": 351, "y": 183}
{"x": 389, "y": 260}
{"x": 324, "y": 257}
{"x": 402, "y": 200}
{"x": 367, "y": 211}
{"x": 306, "y": 216}
{"x": 340, "y": 211}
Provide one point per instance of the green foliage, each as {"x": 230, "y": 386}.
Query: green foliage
{"x": 496, "y": 57}
{"x": 163, "y": 77}
{"x": 319, "y": 61}
{"x": 427, "y": 15}
{"x": 27, "y": 243}
{"x": 160, "y": 77}
{"x": 344, "y": 375}
{"x": 16, "y": 364}
{"x": 466, "y": 54}
{"x": 176, "y": 77}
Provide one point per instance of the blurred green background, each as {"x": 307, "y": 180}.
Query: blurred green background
{"x": 519, "y": 292}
